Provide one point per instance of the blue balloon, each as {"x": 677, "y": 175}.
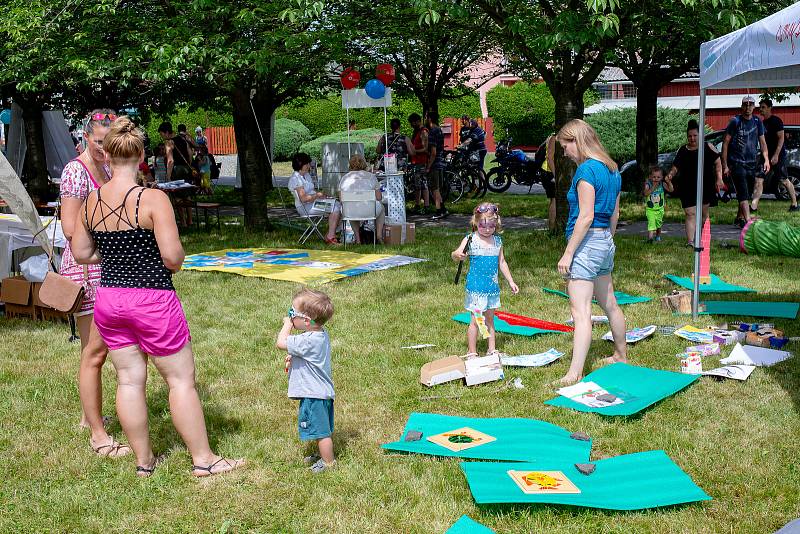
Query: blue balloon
{"x": 375, "y": 89}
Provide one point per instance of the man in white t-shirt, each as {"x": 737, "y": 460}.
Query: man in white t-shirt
{"x": 359, "y": 179}
{"x": 307, "y": 199}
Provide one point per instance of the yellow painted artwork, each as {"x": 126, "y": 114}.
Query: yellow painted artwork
{"x": 543, "y": 482}
{"x": 293, "y": 265}
{"x": 461, "y": 439}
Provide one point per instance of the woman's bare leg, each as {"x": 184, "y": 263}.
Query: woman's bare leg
{"x": 90, "y": 384}
{"x": 131, "y": 366}
{"x": 604, "y": 293}
{"x": 690, "y": 224}
{"x": 580, "y": 303}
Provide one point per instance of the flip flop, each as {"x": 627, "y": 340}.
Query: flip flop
{"x": 145, "y": 472}
{"x": 115, "y": 449}
{"x": 217, "y": 467}
{"x": 107, "y": 420}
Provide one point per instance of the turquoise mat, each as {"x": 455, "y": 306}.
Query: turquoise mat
{"x": 717, "y": 285}
{"x": 502, "y": 326}
{"x": 466, "y": 525}
{"x": 638, "y": 387}
{"x": 622, "y": 298}
{"x": 783, "y": 310}
{"x": 630, "y": 482}
{"x": 518, "y": 440}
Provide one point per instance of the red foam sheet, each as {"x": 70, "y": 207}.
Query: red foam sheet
{"x": 521, "y": 320}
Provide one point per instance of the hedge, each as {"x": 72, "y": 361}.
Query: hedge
{"x": 325, "y": 115}
{"x": 289, "y": 135}
{"x": 368, "y": 136}
{"x": 617, "y": 131}
{"x": 526, "y": 110}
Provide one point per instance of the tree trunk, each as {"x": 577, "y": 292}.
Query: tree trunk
{"x": 646, "y": 130}
{"x": 34, "y": 169}
{"x": 256, "y": 172}
{"x": 569, "y": 105}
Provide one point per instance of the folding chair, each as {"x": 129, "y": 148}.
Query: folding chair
{"x": 359, "y": 206}
{"x": 313, "y": 221}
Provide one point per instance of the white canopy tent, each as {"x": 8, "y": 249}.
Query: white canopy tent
{"x": 760, "y": 55}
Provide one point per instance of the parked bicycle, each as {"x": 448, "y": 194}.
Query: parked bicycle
{"x": 464, "y": 174}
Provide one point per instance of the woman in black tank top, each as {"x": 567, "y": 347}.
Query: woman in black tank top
{"x": 131, "y": 232}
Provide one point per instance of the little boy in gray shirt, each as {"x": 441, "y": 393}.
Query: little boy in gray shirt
{"x": 309, "y": 366}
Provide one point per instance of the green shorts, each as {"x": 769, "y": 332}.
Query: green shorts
{"x": 315, "y": 419}
{"x": 655, "y": 218}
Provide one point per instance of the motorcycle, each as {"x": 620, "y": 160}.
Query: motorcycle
{"x": 513, "y": 166}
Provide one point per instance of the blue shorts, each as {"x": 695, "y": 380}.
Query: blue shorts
{"x": 315, "y": 419}
{"x": 481, "y": 301}
{"x": 594, "y": 256}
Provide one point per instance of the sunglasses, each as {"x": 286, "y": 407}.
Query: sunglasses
{"x": 485, "y": 208}
{"x": 104, "y": 116}
{"x": 294, "y": 313}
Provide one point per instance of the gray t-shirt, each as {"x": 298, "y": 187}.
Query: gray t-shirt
{"x": 310, "y": 374}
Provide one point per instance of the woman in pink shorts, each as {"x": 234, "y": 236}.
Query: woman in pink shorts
{"x": 80, "y": 177}
{"x": 131, "y": 232}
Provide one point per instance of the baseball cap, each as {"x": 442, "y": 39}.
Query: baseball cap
{"x": 747, "y": 99}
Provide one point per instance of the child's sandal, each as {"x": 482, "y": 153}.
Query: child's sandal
{"x": 469, "y": 355}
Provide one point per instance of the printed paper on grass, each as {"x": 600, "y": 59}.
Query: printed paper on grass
{"x": 292, "y": 265}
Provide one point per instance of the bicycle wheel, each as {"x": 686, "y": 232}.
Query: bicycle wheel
{"x": 455, "y": 186}
{"x": 498, "y": 181}
{"x": 484, "y": 184}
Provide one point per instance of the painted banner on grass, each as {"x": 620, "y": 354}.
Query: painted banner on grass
{"x": 292, "y": 265}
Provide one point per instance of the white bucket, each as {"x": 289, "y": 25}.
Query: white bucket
{"x": 691, "y": 364}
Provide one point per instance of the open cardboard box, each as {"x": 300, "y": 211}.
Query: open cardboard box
{"x": 474, "y": 371}
{"x": 398, "y": 234}
{"x": 16, "y": 293}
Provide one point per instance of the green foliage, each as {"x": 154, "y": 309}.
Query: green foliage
{"x": 367, "y": 136}
{"x": 526, "y": 110}
{"x": 325, "y": 115}
{"x": 617, "y": 131}
{"x": 289, "y": 135}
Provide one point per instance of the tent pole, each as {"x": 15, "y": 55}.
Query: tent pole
{"x": 698, "y": 207}
{"x": 385, "y": 133}
{"x": 347, "y": 112}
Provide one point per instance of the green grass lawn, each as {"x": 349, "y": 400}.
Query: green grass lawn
{"x": 738, "y": 441}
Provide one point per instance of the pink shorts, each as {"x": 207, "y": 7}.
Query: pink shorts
{"x": 150, "y": 318}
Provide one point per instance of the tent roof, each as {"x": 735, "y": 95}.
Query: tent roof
{"x": 763, "y": 54}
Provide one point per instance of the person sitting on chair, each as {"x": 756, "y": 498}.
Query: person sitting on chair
{"x": 360, "y": 179}
{"x": 302, "y": 186}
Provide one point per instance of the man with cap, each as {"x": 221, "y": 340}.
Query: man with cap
{"x": 744, "y": 137}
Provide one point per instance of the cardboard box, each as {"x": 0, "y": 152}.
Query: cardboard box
{"x": 16, "y": 293}
{"x": 482, "y": 370}
{"x": 475, "y": 370}
{"x": 761, "y": 337}
{"x": 443, "y": 370}
{"x": 398, "y": 234}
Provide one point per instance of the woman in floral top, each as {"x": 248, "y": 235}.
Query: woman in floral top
{"x": 80, "y": 176}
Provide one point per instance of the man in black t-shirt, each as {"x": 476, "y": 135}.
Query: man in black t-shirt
{"x": 179, "y": 154}
{"x": 775, "y": 137}
{"x": 436, "y": 165}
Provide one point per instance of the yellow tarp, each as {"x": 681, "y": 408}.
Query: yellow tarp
{"x": 293, "y": 265}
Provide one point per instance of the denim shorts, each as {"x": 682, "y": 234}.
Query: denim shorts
{"x": 594, "y": 256}
{"x": 315, "y": 419}
{"x": 743, "y": 177}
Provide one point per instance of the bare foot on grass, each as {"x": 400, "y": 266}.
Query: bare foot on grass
{"x": 616, "y": 358}
{"x": 567, "y": 380}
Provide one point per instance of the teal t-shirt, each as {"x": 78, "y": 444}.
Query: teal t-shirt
{"x": 606, "y": 185}
{"x": 655, "y": 199}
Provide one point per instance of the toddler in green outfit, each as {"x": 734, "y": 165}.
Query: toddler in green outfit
{"x": 654, "y": 188}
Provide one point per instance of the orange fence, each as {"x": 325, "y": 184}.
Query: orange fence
{"x": 221, "y": 140}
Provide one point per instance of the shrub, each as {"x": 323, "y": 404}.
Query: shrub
{"x": 289, "y": 135}
{"x": 617, "y": 131}
{"x": 526, "y": 110}
{"x": 325, "y": 115}
{"x": 367, "y": 136}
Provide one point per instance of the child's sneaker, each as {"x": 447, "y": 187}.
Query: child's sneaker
{"x": 320, "y": 466}
{"x": 649, "y": 240}
{"x": 658, "y": 239}
{"x": 311, "y": 460}
{"x": 496, "y": 353}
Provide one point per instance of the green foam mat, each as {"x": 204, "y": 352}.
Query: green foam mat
{"x": 502, "y": 326}
{"x": 717, "y": 285}
{"x": 631, "y": 482}
{"x": 622, "y": 298}
{"x": 782, "y": 310}
{"x": 638, "y": 387}
{"x": 467, "y": 525}
{"x": 517, "y": 439}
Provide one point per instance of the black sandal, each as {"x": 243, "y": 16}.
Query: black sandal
{"x": 144, "y": 472}
{"x": 208, "y": 470}
{"x": 111, "y": 450}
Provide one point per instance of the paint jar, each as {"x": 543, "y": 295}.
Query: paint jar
{"x": 691, "y": 363}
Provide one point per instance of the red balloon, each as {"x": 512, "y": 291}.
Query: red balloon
{"x": 385, "y": 73}
{"x": 350, "y": 78}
